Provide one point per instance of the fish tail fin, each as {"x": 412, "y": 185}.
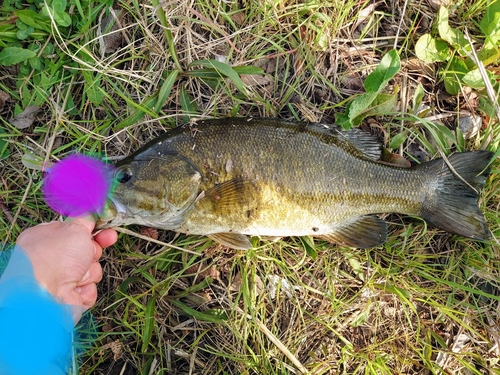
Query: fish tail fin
{"x": 452, "y": 204}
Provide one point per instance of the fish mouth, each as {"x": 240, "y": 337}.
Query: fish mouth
{"x": 113, "y": 214}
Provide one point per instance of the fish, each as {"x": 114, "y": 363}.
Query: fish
{"x": 232, "y": 178}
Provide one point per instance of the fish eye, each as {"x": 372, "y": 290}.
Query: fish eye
{"x": 124, "y": 175}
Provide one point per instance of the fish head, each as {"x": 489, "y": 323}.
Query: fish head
{"x": 156, "y": 191}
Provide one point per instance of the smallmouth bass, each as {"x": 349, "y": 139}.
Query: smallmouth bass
{"x": 232, "y": 178}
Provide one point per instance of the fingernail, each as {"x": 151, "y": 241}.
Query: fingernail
{"x": 86, "y": 276}
{"x": 78, "y": 289}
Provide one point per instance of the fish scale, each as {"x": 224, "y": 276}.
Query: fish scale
{"x": 232, "y": 178}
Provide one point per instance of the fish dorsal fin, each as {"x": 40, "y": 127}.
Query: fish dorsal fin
{"x": 366, "y": 143}
{"x": 363, "y": 232}
{"x": 232, "y": 240}
{"x": 238, "y": 193}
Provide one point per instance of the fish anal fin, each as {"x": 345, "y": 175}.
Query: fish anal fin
{"x": 232, "y": 240}
{"x": 364, "y": 232}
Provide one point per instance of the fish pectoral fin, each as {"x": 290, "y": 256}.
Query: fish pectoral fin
{"x": 238, "y": 192}
{"x": 232, "y": 240}
{"x": 363, "y": 232}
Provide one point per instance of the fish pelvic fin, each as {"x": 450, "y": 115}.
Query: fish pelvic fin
{"x": 452, "y": 200}
{"x": 232, "y": 240}
{"x": 363, "y": 232}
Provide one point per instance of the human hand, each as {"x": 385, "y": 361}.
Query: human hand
{"x": 65, "y": 259}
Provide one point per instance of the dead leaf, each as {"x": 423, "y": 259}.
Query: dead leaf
{"x": 353, "y": 83}
{"x": 25, "y": 118}
{"x": 365, "y": 13}
{"x": 469, "y": 124}
{"x": 236, "y": 283}
{"x": 416, "y": 65}
{"x": 109, "y": 36}
{"x": 116, "y": 348}
{"x": 150, "y": 232}
{"x": 202, "y": 272}
{"x": 3, "y": 98}
{"x": 238, "y": 17}
{"x": 256, "y": 79}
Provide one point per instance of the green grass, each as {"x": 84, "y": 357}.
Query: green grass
{"x": 426, "y": 302}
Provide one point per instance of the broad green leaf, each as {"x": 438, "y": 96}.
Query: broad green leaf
{"x": 460, "y": 139}
{"x": 418, "y": 95}
{"x": 486, "y": 107}
{"x": 47, "y": 11}
{"x": 475, "y": 80}
{"x": 488, "y": 55}
{"x": 165, "y": 90}
{"x": 206, "y": 73}
{"x": 308, "y": 243}
{"x": 7, "y": 34}
{"x": 59, "y": 6}
{"x": 48, "y": 50}
{"x": 34, "y": 19}
{"x": 361, "y": 318}
{"x": 360, "y": 105}
{"x": 385, "y": 103}
{"x": 213, "y": 316}
{"x": 356, "y": 266}
{"x": 93, "y": 88}
{"x": 224, "y": 70}
{"x": 23, "y": 34}
{"x": 187, "y": 104}
{"x": 490, "y": 24}
{"x": 385, "y": 70}
{"x": 36, "y": 162}
{"x": 430, "y": 49}
{"x": 14, "y": 55}
{"x": 342, "y": 119}
{"x": 21, "y": 25}
{"x": 398, "y": 140}
{"x": 248, "y": 70}
{"x": 36, "y": 63}
{"x": 453, "y": 74}
{"x": 62, "y": 19}
{"x": 382, "y": 104}
{"x": 451, "y": 35}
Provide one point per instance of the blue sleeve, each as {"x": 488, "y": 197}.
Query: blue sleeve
{"x": 35, "y": 330}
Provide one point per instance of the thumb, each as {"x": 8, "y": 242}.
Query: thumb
{"x": 87, "y": 222}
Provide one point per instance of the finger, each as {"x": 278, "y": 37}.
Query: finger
{"x": 106, "y": 238}
{"x": 97, "y": 251}
{"x": 88, "y": 294}
{"x": 93, "y": 275}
